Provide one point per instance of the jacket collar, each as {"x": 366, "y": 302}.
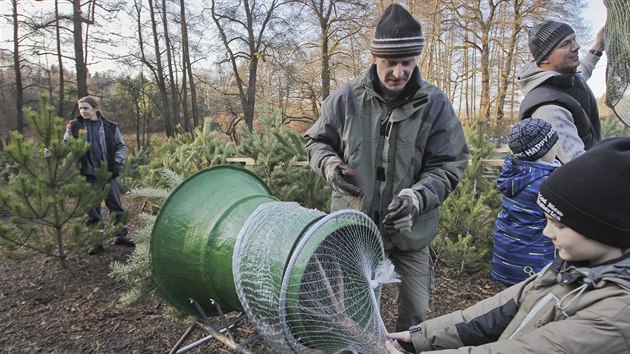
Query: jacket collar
{"x": 617, "y": 270}
{"x": 566, "y": 80}
{"x": 415, "y": 82}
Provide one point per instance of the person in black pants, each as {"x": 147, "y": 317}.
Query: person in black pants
{"x": 106, "y": 146}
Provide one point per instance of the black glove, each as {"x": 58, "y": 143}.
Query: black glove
{"x": 402, "y": 212}
{"x": 115, "y": 170}
{"x": 339, "y": 180}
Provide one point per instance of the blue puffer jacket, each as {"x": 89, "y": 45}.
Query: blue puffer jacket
{"x": 520, "y": 249}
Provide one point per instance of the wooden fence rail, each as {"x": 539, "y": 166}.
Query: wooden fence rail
{"x": 496, "y": 160}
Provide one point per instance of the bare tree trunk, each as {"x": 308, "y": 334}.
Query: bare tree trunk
{"x": 159, "y": 74}
{"x": 19, "y": 90}
{"x": 325, "y": 75}
{"x": 62, "y": 89}
{"x": 81, "y": 68}
{"x": 184, "y": 99}
{"x": 508, "y": 67}
{"x": 256, "y": 21}
{"x": 188, "y": 68}
{"x": 174, "y": 106}
{"x": 484, "y": 104}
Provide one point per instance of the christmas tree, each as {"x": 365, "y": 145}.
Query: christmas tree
{"x": 47, "y": 198}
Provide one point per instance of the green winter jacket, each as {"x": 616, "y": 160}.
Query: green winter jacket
{"x": 567, "y": 308}
{"x": 413, "y": 142}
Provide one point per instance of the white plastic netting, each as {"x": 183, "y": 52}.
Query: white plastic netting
{"x": 618, "y": 55}
{"x": 311, "y": 282}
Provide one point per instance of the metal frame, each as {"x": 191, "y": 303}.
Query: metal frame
{"x": 204, "y": 324}
{"x": 286, "y": 331}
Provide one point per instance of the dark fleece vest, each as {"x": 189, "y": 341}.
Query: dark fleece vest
{"x": 110, "y": 133}
{"x": 572, "y": 93}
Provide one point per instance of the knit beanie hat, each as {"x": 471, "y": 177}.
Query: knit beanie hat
{"x": 397, "y": 35}
{"x": 531, "y": 138}
{"x": 544, "y": 37}
{"x": 591, "y": 193}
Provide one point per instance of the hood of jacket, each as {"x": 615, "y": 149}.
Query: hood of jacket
{"x": 531, "y": 76}
{"x": 517, "y": 175}
{"x": 616, "y": 270}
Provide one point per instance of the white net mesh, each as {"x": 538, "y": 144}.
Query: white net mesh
{"x": 618, "y": 55}
{"x": 311, "y": 282}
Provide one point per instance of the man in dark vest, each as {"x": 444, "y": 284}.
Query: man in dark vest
{"x": 106, "y": 147}
{"x": 555, "y": 89}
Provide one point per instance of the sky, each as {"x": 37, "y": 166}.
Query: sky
{"x": 595, "y": 13}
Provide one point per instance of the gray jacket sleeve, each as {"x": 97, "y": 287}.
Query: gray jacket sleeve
{"x": 480, "y": 324}
{"x": 587, "y": 65}
{"x": 121, "y": 147}
{"x": 323, "y": 139}
{"x": 571, "y": 146}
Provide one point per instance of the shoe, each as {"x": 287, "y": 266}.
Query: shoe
{"x": 96, "y": 249}
{"x": 124, "y": 241}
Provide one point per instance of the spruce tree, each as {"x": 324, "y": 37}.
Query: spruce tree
{"x": 48, "y": 199}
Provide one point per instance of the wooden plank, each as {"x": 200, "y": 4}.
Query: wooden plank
{"x": 492, "y": 162}
{"x": 241, "y": 160}
{"x": 299, "y": 163}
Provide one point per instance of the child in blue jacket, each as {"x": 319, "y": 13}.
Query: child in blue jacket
{"x": 520, "y": 249}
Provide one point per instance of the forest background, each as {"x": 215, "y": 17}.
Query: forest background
{"x": 192, "y": 84}
{"x": 160, "y": 64}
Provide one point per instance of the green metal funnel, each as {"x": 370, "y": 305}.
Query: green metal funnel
{"x": 308, "y": 281}
{"x": 193, "y": 237}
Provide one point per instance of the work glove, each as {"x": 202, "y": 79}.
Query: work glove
{"x": 115, "y": 170}
{"x": 402, "y": 212}
{"x": 339, "y": 176}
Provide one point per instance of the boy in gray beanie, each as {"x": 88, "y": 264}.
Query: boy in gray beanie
{"x": 580, "y": 303}
{"x": 390, "y": 145}
{"x": 554, "y": 86}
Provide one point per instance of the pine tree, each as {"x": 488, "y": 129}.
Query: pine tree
{"x": 468, "y": 214}
{"x": 279, "y": 153}
{"x": 48, "y": 199}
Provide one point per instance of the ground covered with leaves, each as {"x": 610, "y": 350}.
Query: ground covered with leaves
{"x": 44, "y": 308}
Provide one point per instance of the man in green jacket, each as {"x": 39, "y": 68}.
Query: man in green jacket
{"x": 390, "y": 145}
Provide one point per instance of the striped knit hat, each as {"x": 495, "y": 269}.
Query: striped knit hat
{"x": 397, "y": 35}
{"x": 544, "y": 37}
{"x": 531, "y": 138}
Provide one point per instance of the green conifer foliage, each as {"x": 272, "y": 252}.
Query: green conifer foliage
{"x": 47, "y": 198}
{"x": 280, "y": 156}
{"x": 468, "y": 214}
{"x": 185, "y": 154}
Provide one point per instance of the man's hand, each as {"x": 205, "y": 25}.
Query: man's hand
{"x": 115, "y": 170}
{"x": 404, "y": 336}
{"x": 600, "y": 40}
{"x": 401, "y": 342}
{"x": 402, "y": 212}
{"x": 339, "y": 177}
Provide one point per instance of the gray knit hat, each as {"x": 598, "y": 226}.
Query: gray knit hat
{"x": 544, "y": 37}
{"x": 531, "y": 138}
{"x": 398, "y": 34}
